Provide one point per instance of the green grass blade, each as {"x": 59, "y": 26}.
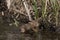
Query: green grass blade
{"x": 35, "y": 9}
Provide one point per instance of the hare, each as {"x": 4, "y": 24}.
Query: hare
{"x": 31, "y": 25}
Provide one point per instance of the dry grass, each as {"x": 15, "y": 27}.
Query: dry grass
{"x": 31, "y": 10}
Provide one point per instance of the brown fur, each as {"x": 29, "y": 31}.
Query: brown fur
{"x": 31, "y": 25}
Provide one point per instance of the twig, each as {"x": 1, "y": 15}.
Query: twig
{"x": 8, "y": 3}
{"x": 19, "y": 11}
{"x": 27, "y": 10}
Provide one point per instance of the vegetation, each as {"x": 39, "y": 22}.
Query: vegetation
{"x": 30, "y": 16}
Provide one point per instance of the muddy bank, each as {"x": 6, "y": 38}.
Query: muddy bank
{"x": 13, "y": 33}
